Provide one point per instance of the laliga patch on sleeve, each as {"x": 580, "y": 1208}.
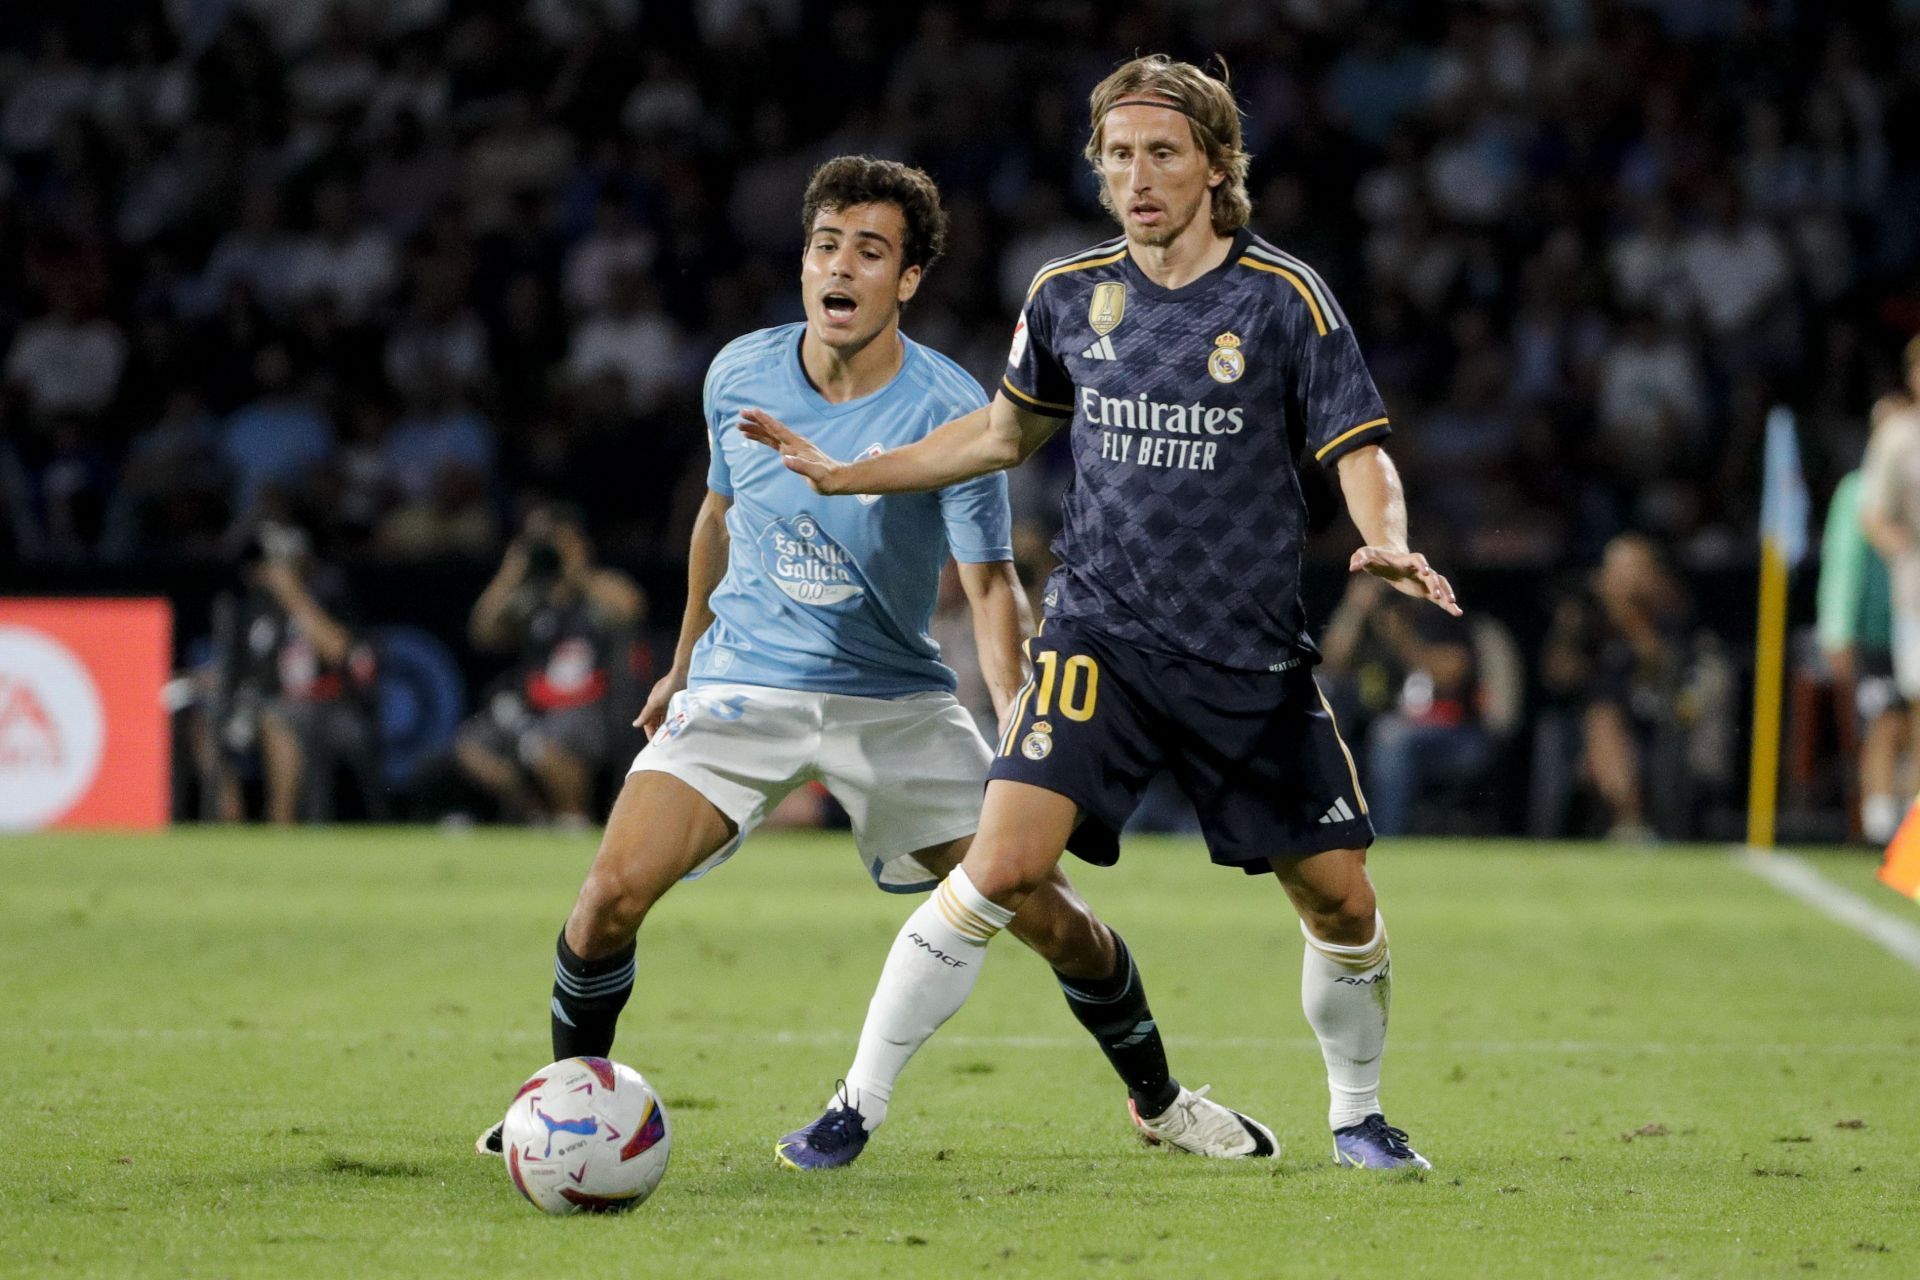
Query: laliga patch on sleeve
{"x": 1019, "y": 350}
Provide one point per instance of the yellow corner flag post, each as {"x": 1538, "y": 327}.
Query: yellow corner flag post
{"x": 1783, "y": 543}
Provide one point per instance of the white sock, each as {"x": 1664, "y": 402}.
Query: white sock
{"x": 1346, "y": 991}
{"x": 929, "y": 974}
{"x": 1879, "y": 818}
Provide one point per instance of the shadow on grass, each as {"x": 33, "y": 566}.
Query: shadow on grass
{"x": 335, "y": 1163}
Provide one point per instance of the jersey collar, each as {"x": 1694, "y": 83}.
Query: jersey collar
{"x": 810, "y": 394}
{"x": 1199, "y": 287}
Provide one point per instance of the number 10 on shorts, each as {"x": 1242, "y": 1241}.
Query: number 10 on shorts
{"x": 1078, "y": 680}
{"x": 1076, "y": 685}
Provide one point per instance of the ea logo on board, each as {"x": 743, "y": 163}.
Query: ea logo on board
{"x": 52, "y": 729}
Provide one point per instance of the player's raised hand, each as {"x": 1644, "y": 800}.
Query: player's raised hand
{"x": 796, "y": 450}
{"x": 1408, "y": 572}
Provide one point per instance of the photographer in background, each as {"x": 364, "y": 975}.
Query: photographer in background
{"x": 1433, "y": 740}
{"x": 292, "y": 685}
{"x": 1433, "y": 700}
{"x": 1639, "y": 706}
{"x": 1363, "y": 663}
{"x": 548, "y": 728}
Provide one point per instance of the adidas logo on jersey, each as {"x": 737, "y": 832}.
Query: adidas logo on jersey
{"x": 1339, "y": 813}
{"x": 1101, "y": 350}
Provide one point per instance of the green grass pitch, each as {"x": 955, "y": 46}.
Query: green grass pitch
{"x": 244, "y": 1053}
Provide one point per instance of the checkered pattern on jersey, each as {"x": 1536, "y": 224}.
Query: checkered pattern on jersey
{"x": 1184, "y": 520}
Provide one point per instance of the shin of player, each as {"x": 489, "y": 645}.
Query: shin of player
{"x": 936, "y": 959}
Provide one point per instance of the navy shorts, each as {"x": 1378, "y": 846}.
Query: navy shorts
{"x": 1257, "y": 753}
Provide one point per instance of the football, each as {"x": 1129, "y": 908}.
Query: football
{"x": 586, "y": 1134}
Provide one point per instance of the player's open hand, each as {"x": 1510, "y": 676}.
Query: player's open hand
{"x": 796, "y": 450}
{"x": 1408, "y": 572}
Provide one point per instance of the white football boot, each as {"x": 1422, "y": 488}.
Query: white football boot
{"x": 1198, "y": 1124}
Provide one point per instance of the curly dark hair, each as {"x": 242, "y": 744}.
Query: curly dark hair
{"x": 846, "y": 181}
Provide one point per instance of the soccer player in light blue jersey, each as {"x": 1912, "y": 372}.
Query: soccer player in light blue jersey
{"x": 804, "y": 656}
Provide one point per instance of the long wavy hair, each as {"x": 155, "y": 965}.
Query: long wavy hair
{"x": 1210, "y": 109}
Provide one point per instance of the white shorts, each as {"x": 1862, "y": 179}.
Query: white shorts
{"x": 908, "y": 771}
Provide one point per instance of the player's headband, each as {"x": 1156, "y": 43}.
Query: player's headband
{"x": 1156, "y": 102}
{"x": 1205, "y": 128}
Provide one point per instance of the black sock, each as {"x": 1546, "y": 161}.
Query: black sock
{"x": 1114, "y": 1009}
{"x": 588, "y": 996}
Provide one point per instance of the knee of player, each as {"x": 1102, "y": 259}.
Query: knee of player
{"x": 611, "y": 903}
{"x": 1347, "y": 919}
{"x": 1008, "y": 870}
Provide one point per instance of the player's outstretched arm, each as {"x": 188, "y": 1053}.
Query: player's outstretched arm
{"x": 1378, "y": 505}
{"x": 994, "y": 438}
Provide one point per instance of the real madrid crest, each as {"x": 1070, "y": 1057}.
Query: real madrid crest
{"x": 1108, "y": 308}
{"x": 1038, "y": 745}
{"x": 1226, "y": 364}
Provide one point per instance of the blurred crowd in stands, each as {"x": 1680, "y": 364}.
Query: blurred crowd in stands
{"x": 394, "y": 273}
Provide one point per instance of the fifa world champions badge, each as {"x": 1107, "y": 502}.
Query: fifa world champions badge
{"x": 1108, "y": 308}
{"x": 1226, "y": 364}
{"x": 1038, "y": 744}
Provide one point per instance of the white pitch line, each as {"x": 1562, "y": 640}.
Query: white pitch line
{"x": 818, "y": 1039}
{"x": 1795, "y": 877}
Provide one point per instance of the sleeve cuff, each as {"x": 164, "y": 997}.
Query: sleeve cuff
{"x": 1352, "y": 438}
{"x": 982, "y": 555}
{"x": 1033, "y": 404}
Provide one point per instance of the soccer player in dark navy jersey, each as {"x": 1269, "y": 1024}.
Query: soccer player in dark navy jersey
{"x": 1194, "y": 365}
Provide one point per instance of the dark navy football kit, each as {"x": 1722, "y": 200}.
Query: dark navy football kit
{"x": 1175, "y": 634}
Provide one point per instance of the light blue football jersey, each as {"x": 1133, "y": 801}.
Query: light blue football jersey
{"x": 834, "y": 595}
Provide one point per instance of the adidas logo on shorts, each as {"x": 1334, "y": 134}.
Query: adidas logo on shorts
{"x": 1339, "y": 813}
